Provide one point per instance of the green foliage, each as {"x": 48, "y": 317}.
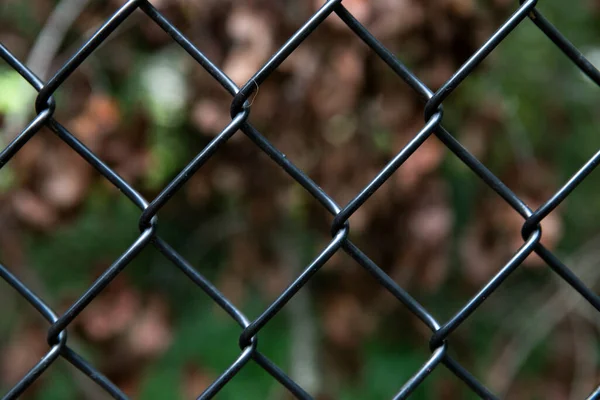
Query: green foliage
{"x": 382, "y": 141}
{"x": 387, "y": 368}
{"x": 20, "y": 15}
{"x": 207, "y": 337}
{"x": 159, "y": 86}
{"x": 66, "y": 261}
{"x": 7, "y": 179}
{"x": 168, "y": 152}
{"x": 16, "y": 93}
{"x": 59, "y": 384}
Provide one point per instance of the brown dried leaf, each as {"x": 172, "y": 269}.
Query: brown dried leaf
{"x": 336, "y": 92}
{"x": 150, "y": 334}
{"x": 24, "y": 349}
{"x": 100, "y": 116}
{"x": 33, "y": 210}
{"x": 253, "y": 36}
{"x": 228, "y": 179}
{"x": 435, "y": 269}
{"x": 479, "y": 259}
{"x": 461, "y": 8}
{"x": 110, "y": 313}
{"x": 195, "y": 381}
{"x": 345, "y": 321}
{"x": 232, "y": 286}
{"x": 198, "y": 189}
{"x": 438, "y": 72}
{"x": 431, "y": 225}
{"x": 210, "y": 117}
{"x": 396, "y": 17}
{"x": 67, "y": 179}
{"x": 425, "y": 160}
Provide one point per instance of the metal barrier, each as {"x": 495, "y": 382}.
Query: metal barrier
{"x": 240, "y": 110}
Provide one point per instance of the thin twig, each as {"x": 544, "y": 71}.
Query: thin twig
{"x": 42, "y": 53}
{"x": 51, "y": 37}
{"x": 304, "y": 368}
{"x": 552, "y": 311}
{"x": 584, "y": 370}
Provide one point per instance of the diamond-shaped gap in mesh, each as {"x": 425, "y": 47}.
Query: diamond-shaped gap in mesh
{"x": 407, "y": 75}
{"x": 345, "y": 354}
{"x": 253, "y": 177}
{"x": 335, "y": 130}
{"x": 183, "y": 41}
{"x": 532, "y": 94}
{"x": 406, "y": 319}
{"x": 150, "y": 116}
{"x": 198, "y": 322}
{"x": 101, "y": 111}
{"x": 149, "y": 9}
{"x": 219, "y": 299}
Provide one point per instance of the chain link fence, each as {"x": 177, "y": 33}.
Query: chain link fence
{"x": 240, "y": 111}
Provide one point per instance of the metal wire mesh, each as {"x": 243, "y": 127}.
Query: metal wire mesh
{"x": 240, "y": 111}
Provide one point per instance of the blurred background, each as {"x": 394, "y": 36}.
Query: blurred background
{"x": 338, "y": 112}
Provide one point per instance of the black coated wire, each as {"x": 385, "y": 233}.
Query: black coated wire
{"x": 240, "y": 111}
